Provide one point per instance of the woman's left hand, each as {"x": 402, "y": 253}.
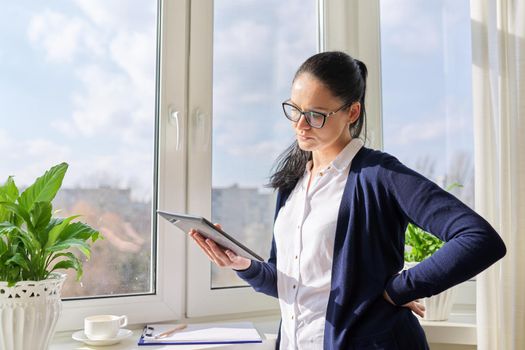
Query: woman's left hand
{"x": 415, "y": 305}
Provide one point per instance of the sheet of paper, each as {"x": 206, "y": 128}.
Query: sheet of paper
{"x": 206, "y": 333}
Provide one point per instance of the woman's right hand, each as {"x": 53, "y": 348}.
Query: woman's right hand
{"x": 220, "y": 256}
{"x": 415, "y": 305}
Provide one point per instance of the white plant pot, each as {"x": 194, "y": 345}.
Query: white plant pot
{"x": 29, "y": 312}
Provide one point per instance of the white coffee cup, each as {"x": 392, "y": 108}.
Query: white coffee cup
{"x": 101, "y": 327}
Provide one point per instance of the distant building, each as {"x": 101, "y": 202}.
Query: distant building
{"x": 246, "y": 214}
{"x": 108, "y": 199}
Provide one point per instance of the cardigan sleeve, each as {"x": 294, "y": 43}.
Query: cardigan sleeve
{"x": 471, "y": 245}
{"x": 262, "y": 276}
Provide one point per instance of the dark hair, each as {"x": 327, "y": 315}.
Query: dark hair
{"x": 345, "y": 77}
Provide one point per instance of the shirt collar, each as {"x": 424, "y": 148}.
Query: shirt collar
{"x": 344, "y": 158}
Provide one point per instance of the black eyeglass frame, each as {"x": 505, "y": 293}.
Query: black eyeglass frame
{"x": 305, "y": 113}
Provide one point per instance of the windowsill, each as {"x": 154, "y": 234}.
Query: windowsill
{"x": 266, "y": 325}
{"x": 460, "y": 329}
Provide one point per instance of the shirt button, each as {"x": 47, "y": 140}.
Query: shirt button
{"x": 292, "y": 317}
{"x": 293, "y": 286}
{"x": 296, "y": 257}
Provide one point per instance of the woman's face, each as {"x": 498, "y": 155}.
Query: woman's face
{"x": 310, "y": 94}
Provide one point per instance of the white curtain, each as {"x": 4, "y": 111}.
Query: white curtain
{"x": 498, "y": 33}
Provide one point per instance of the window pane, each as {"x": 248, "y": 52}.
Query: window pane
{"x": 257, "y": 48}
{"x": 78, "y": 85}
{"x": 426, "y": 83}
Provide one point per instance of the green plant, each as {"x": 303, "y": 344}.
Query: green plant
{"x": 421, "y": 243}
{"x": 34, "y": 243}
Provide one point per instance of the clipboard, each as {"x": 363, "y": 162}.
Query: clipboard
{"x": 201, "y": 334}
{"x": 207, "y": 229}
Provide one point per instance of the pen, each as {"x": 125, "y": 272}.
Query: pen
{"x": 170, "y": 331}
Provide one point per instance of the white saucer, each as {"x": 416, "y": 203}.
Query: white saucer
{"x": 122, "y": 334}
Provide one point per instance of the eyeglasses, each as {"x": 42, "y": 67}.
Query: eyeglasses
{"x": 313, "y": 118}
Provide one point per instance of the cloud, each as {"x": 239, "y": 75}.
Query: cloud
{"x": 120, "y": 15}
{"x": 118, "y": 102}
{"x": 63, "y": 38}
{"x": 410, "y": 26}
{"x": 244, "y": 39}
{"x": 110, "y": 50}
{"x": 134, "y": 53}
{"x": 27, "y": 159}
{"x": 431, "y": 127}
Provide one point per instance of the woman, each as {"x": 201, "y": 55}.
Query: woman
{"x": 342, "y": 211}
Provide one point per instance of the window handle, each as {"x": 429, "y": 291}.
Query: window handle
{"x": 174, "y": 120}
{"x": 201, "y": 128}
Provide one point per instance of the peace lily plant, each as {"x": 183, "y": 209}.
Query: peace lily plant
{"x": 34, "y": 244}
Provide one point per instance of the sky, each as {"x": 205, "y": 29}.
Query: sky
{"x": 426, "y": 70}
{"x": 77, "y": 84}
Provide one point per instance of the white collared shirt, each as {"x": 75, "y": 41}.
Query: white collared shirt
{"x": 304, "y": 237}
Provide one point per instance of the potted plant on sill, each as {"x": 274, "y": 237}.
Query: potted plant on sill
{"x": 422, "y": 245}
{"x": 34, "y": 244}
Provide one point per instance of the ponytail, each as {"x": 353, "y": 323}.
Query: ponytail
{"x": 357, "y": 126}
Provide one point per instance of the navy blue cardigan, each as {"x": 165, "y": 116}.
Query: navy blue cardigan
{"x": 380, "y": 197}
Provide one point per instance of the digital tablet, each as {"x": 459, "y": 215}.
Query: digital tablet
{"x": 207, "y": 229}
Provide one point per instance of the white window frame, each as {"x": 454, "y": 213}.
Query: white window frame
{"x": 201, "y": 299}
{"x": 168, "y": 301}
{"x": 352, "y": 26}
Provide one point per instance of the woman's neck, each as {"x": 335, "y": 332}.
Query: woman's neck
{"x": 321, "y": 158}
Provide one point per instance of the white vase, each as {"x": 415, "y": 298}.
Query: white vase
{"x": 29, "y": 312}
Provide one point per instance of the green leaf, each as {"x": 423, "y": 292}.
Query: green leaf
{"x": 81, "y": 245}
{"x": 30, "y": 242}
{"x": 19, "y": 211}
{"x": 7, "y": 227}
{"x": 19, "y": 260}
{"x": 80, "y": 230}
{"x": 41, "y": 219}
{"x": 8, "y": 193}
{"x": 71, "y": 262}
{"x": 57, "y": 230}
{"x": 3, "y": 248}
{"x": 11, "y": 190}
{"x": 422, "y": 243}
{"x": 452, "y": 186}
{"x": 45, "y": 187}
{"x": 40, "y": 215}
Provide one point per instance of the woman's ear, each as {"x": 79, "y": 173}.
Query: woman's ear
{"x": 355, "y": 111}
